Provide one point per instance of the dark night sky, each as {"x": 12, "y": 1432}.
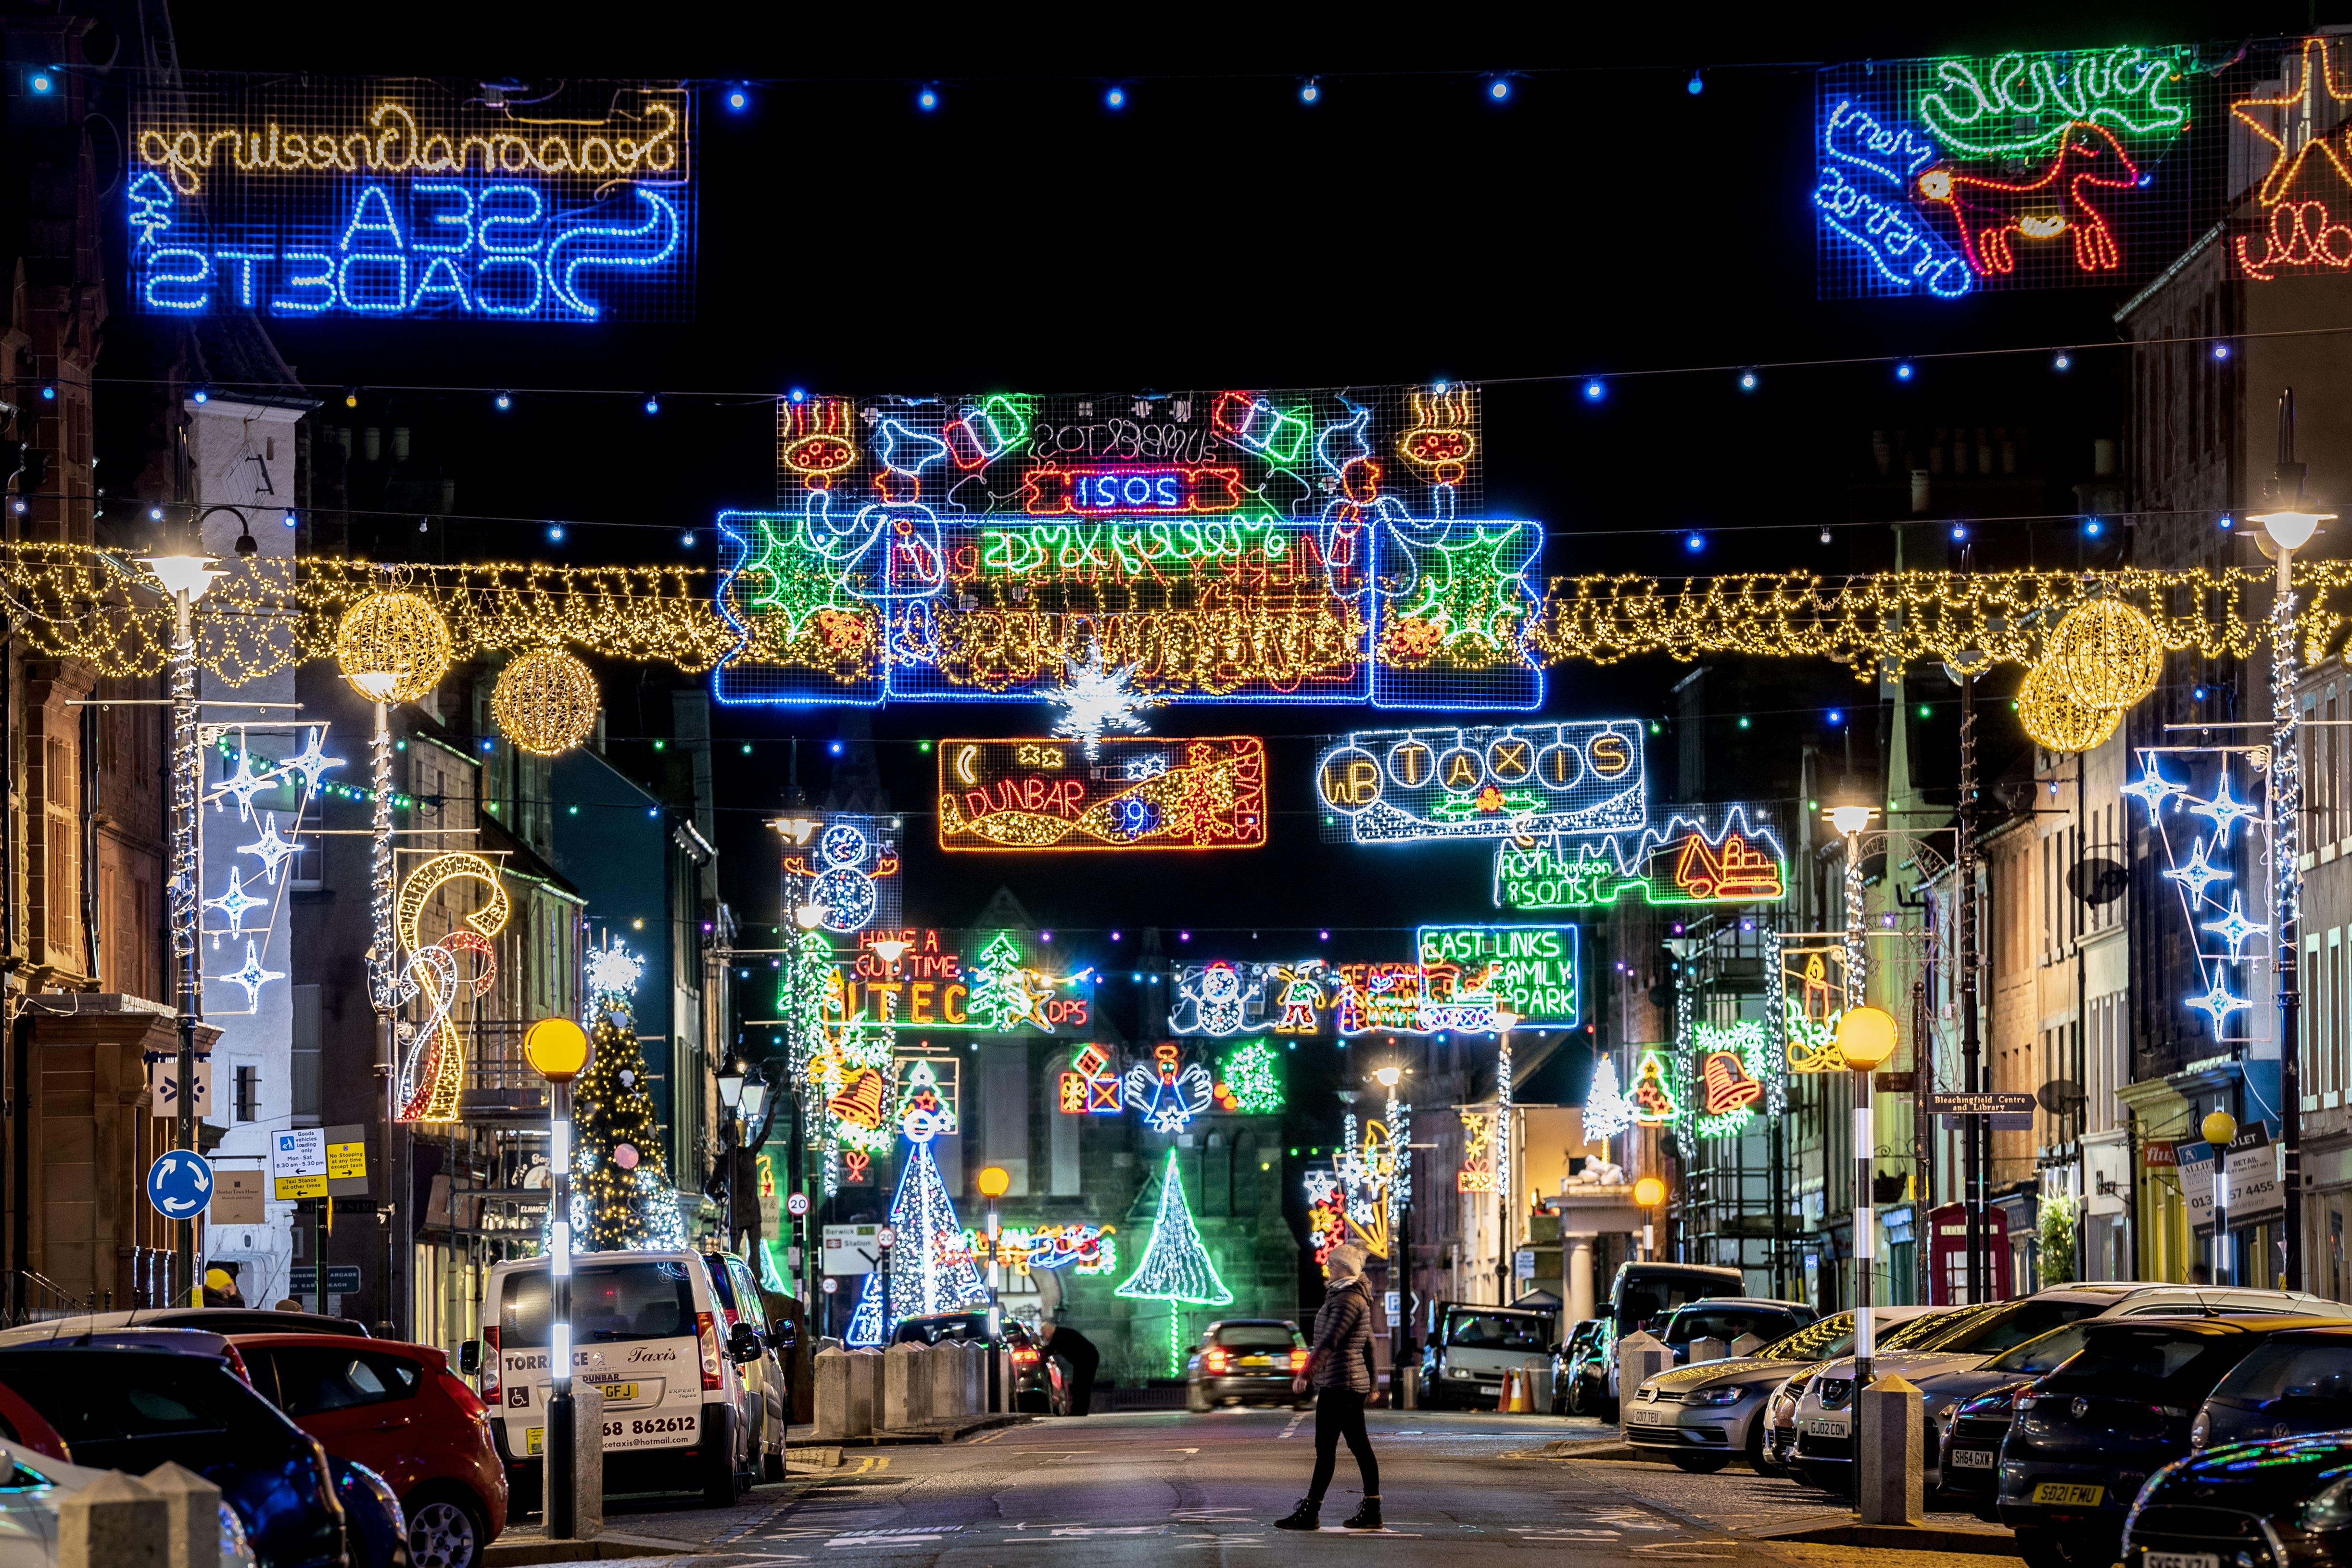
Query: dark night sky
{"x": 1216, "y": 233}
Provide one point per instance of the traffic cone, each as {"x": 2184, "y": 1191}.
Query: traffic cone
{"x": 1523, "y": 1400}
{"x": 1503, "y": 1396}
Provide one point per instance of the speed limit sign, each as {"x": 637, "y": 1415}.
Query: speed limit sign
{"x": 887, "y": 1236}
{"x": 797, "y": 1205}
{"x": 830, "y": 1285}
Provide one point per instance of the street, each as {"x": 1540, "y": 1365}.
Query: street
{"x": 1136, "y": 1486}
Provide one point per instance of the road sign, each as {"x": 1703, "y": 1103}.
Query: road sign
{"x": 179, "y": 1183}
{"x": 831, "y": 1284}
{"x": 887, "y": 1236}
{"x": 1993, "y": 1102}
{"x": 342, "y": 1279}
{"x": 852, "y": 1249}
{"x": 164, "y": 1082}
{"x": 1523, "y": 1263}
{"x": 797, "y": 1205}
{"x": 297, "y": 1163}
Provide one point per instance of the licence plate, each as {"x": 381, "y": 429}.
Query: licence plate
{"x": 615, "y": 1391}
{"x": 1650, "y": 1414}
{"x": 1972, "y": 1458}
{"x": 2181, "y": 1559}
{"x": 1490, "y": 1388}
{"x": 1256, "y": 1361}
{"x": 1826, "y": 1428}
{"x": 534, "y": 1438}
{"x": 2069, "y": 1494}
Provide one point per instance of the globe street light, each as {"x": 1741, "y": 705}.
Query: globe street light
{"x": 2220, "y": 1127}
{"x": 1866, "y": 1038}
{"x": 993, "y": 1181}
{"x": 557, "y": 1049}
{"x": 1505, "y": 1022}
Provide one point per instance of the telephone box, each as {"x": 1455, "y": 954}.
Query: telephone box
{"x": 1947, "y": 1254}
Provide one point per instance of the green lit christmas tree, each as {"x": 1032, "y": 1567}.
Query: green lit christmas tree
{"x": 1175, "y": 1267}
{"x": 1001, "y": 994}
{"x": 621, "y": 1194}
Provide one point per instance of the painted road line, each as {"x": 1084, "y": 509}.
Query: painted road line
{"x": 988, "y": 1436}
{"x": 1295, "y": 1417}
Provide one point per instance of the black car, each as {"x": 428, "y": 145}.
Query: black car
{"x": 2269, "y": 1504}
{"x": 2086, "y": 1436}
{"x": 1569, "y": 1393}
{"x": 135, "y": 1409}
{"x": 1969, "y": 1457}
{"x": 1245, "y": 1361}
{"x": 2298, "y": 1383}
{"x": 990, "y": 1326}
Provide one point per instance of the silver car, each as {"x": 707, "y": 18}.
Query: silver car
{"x": 1702, "y": 1417}
{"x": 1956, "y": 1365}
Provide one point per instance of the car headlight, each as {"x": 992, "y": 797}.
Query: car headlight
{"x": 1708, "y": 1397}
{"x": 2329, "y": 1508}
{"x": 1459, "y": 1371}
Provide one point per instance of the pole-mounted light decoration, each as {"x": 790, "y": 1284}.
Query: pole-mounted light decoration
{"x": 545, "y": 701}
{"x": 1175, "y": 1267}
{"x": 934, "y": 1270}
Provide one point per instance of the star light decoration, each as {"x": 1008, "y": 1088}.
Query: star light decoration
{"x": 311, "y": 761}
{"x": 243, "y": 784}
{"x": 1096, "y": 701}
{"x": 272, "y": 851}
{"x": 2197, "y": 876}
{"x": 253, "y": 977}
{"x": 612, "y": 969}
{"x": 236, "y": 904}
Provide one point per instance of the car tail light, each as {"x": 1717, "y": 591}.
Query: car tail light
{"x": 1025, "y": 1357}
{"x": 1215, "y": 1360}
{"x": 1298, "y": 1361}
{"x": 2023, "y": 1402}
{"x": 490, "y": 1363}
{"x": 705, "y": 1329}
{"x": 236, "y": 1364}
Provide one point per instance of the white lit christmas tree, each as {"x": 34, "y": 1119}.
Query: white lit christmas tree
{"x": 931, "y": 1269}
{"x": 1175, "y": 1267}
{"x": 1607, "y": 1111}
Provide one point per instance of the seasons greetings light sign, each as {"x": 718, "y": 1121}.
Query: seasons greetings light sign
{"x": 301, "y": 198}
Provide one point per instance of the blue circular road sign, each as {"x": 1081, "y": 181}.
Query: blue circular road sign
{"x": 179, "y": 1183}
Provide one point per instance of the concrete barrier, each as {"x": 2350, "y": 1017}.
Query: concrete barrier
{"x": 192, "y": 1507}
{"x": 588, "y": 1462}
{"x": 1640, "y": 1357}
{"x": 975, "y": 1379}
{"x": 1889, "y": 1453}
{"x": 865, "y": 1392}
{"x": 1706, "y": 1350}
{"x": 117, "y": 1521}
{"x": 905, "y": 1387}
{"x": 946, "y": 1363}
{"x": 832, "y": 1394}
{"x": 1747, "y": 1345}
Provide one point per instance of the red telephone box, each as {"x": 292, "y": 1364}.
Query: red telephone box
{"x": 1947, "y": 1254}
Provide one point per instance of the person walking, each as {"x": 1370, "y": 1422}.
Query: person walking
{"x": 1340, "y": 1369}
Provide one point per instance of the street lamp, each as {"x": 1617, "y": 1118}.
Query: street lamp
{"x": 2220, "y": 1127}
{"x": 1399, "y": 1116}
{"x": 2289, "y": 523}
{"x": 993, "y": 1183}
{"x": 557, "y": 1049}
{"x": 1648, "y": 1194}
{"x": 1505, "y": 1022}
{"x": 1850, "y": 820}
{"x": 1866, "y": 1038}
{"x": 184, "y": 577}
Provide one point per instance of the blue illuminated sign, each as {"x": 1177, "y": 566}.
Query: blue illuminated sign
{"x": 409, "y": 199}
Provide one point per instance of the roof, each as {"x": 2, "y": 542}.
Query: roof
{"x": 1743, "y": 1301}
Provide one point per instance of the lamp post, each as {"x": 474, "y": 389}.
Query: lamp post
{"x": 755, "y": 1132}
{"x": 2220, "y": 1127}
{"x": 2292, "y": 518}
{"x": 185, "y": 577}
{"x": 994, "y": 1183}
{"x": 557, "y": 1049}
{"x": 1400, "y": 1218}
{"x": 1850, "y": 821}
{"x": 731, "y": 1099}
{"x": 1865, "y": 1037}
{"x": 1648, "y": 1194}
{"x": 1505, "y": 1022}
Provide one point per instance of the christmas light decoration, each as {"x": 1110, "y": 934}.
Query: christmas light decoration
{"x": 1175, "y": 1267}
{"x": 1366, "y": 1170}
{"x": 1170, "y": 1091}
{"x": 1005, "y": 995}
{"x": 2056, "y": 720}
{"x": 1208, "y": 793}
{"x": 2107, "y": 654}
{"x": 621, "y": 1197}
{"x": 1654, "y": 1103}
{"x": 1249, "y": 1084}
{"x": 252, "y": 977}
{"x": 1083, "y": 1249}
{"x": 932, "y": 1271}
{"x": 393, "y": 647}
{"x": 1528, "y": 970}
{"x": 2292, "y": 228}
{"x": 235, "y": 903}
{"x": 432, "y": 1071}
{"x": 545, "y": 701}
{"x": 2208, "y": 870}
{"x": 1094, "y": 701}
{"x": 849, "y": 872}
{"x": 1607, "y": 1111}
{"x": 1732, "y": 1063}
{"x": 1685, "y": 861}
{"x": 1522, "y": 781}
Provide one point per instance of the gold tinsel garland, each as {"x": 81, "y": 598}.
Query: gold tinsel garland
{"x": 70, "y": 602}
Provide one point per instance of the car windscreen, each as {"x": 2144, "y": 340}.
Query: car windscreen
{"x": 1917, "y": 1334}
{"x": 2150, "y": 1361}
{"x": 1823, "y": 1341}
{"x": 1497, "y": 1331}
{"x": 2011, "y": 1323}
{"x": 1727, "y": 1323}
{"x": 649, "y": 1299}
{"x": 2035, "y": 1357}
{"x": 961, "y": 1327}
{"x": 100, "y": 1396}
{"x": 1257, "y": 1336}
{"x": 2292, "y": 1369}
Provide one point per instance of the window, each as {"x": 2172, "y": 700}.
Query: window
{"x": 311, "y": 1381}
{"x": 2170, "y": 1366}
{"x": 248, "y": 1093}
{"x": 1497, "y": 1331}
{"x": 610, "y": 1303}
{"x": 1258, "y": 1336}
{"x": 2292, "y": 1370}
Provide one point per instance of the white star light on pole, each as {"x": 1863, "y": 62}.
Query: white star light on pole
{"x": 273, "y": 851}
{"x": 2200, "y": 873}
{"x": 2152, "y": 789}
{"x": 2234, "y": 927}
{"x": 243, "y": 785}
{"x": 310, "y": 761}
{"x": 2217, "y": 1003}
{"x": 235, "y": 903}
{"x": 253, "y": 977}
{"x": 2226, "y": 811}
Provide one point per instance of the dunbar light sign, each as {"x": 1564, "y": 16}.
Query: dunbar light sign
{"x": 321, "y": 196}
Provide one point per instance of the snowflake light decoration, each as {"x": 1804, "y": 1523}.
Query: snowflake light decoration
{"x": 235, "y": 903}
{"x": 613, "y": 970}
{"x": 253, "y": 977}
{"x": 1094, "y": 701}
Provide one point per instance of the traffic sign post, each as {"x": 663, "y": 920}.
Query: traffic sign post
{"x": 2011, "y": 1110}
{"x": 179, "y": 1183}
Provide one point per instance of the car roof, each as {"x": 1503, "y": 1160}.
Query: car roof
{"x": 2214, "y": 1327}
{"x": 1744, "y": 1302}
{"x": 182, "y": 1342}
{"x": 1490, "y": 1307}
{"x": 1269, "y": 1322}
{"x": 333, "y": 1341}
{"x": 212, "y": 1319}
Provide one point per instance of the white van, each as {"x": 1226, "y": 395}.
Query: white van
{"x": 649, "y": 1332}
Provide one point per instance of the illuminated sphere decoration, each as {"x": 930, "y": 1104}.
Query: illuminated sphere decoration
{"x": 393, "y": 646}
{"x": 1865, "y": 1036}
{"x": 545, "y": 701}
{"x": 2056, "y": 720}
{"x": 2219, "y": 1127}
{"x": 1649, "y": 1192}
{"x": 2104, "y": 654}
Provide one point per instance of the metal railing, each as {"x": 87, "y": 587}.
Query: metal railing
{"x": 34, "y": 1297}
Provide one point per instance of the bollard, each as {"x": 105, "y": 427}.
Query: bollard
{"x": 975, "y": 1378}
{"x": 1747, "y": 1345}
{"x": 1888, "y": 1454}
{"x": 1640, "y": 1357}
{"x": 832, "y": 1394}
{"x": 192, "y": 1506}
{"x": 1706, "y": 1350}
{"x": 117, "y": 1521}
{"x": 587, "y": 1460}
{"x": 906, "y": 1387}
{"x": 1540, "y": 1383}
{"x": 865, "y": 1392}
{"x": 945, "y": 1369}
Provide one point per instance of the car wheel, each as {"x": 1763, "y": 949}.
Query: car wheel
{"x": 1756, "y": 1459}
{"x": 1699, "y": 1464}
{"x": 1577, "y": 1399}
{"x": 2044, "y": 1549}
{"x": 446, "y": 1529}
{"x": 719, "y": 1471}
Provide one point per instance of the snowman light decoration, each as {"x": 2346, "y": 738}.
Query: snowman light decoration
{"x": 843, "y": 888}
{"x": 1169, "y": 1097}
{"x": 1209, "y": 1003}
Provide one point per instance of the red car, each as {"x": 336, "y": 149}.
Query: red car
{"x": 399, "y": 1410}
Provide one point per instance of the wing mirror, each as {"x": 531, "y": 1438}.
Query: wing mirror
{"x": 744, "y": 1344}
{"x": 469, "y": 1357}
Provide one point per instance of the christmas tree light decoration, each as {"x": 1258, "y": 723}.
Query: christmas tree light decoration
{"x": 235, "y": 903}
{"x": 932, "y": 1271}
{"x": 1175, "y": 1267}
{"x": 1096, "y": 701}
{"x": 1004, "y": 994}
{"x": 1653, "y": 1102}
{"x": 1250, "y": 1082}
{"x": 1607, "y": 1111}
{"x": 617, "y": 1206}
{"x": 545, "y": 701}
{"x": 272, "y": 851}
{"x": 1168, "y": 1095}
{"x": 253, "y": 976}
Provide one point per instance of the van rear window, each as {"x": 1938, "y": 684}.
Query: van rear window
{"x": 653, "y": 1299}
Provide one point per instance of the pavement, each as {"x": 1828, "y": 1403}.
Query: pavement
{"x": 1140, "y": 1486}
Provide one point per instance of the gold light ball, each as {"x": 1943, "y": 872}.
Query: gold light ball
{"x": 1866, "y": 1037}
{"x": 2056, "y": 720}
{"x": 393, "y": 647}
{"x": 2106, "y": 653}
{"x": 1649, "y": 1192}
{"x": 2219, "y": 1127}
{"x": 545, "y": 701}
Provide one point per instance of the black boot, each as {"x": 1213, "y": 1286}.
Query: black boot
{"x": 1367, "y": 1517}
{"x": 1302, "y": 1517}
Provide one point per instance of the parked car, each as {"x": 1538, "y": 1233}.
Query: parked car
{"x": 2088, "y": 1434}
{"x": 2286, "y": 1501}
{"x": 1568, "y": 1383}
{"x": 214, "y": 1320}
{"x": 180, "y": 1342}
{"x": 1245, "y": 1361}
{"x": 993, "y": 1327}
{"x": 398, "y": 1409}
{"x": 1896, "y": 1328}
{"x": 739, "y": 1302}
{"x": 1702, "y": 1417}
{"x": 33, "y": 1483}
{"x": 646, "y": 1329}
{"x": 1730, "y": 1317}
{"x": 2297, "y": 1383}
{"x": 1640, "y": 1298}
{"x": 1464, "y": 1361}
{"x": 375, "y": 1531}
{"x": 120, "y": 1409}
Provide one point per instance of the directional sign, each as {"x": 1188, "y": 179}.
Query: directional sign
{"x": 342, "y": 1279}
{"x": 179, "y": 1183}
{"x": 851, "y": 1249}
{"x": 2011, "y": 1110}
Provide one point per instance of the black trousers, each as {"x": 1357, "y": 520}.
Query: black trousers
{"x": 1339, "y": 1413}
{"x": 1079, "y": 1352}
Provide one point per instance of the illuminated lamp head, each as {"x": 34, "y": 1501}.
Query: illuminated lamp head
{"x": 994, "y": 1182}
{"x": 1649, "y": 1192}
{"x": 1865, "y": 1036}
{"x": 556, "y": 1048}
{"x": 2219, "y": 1127}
